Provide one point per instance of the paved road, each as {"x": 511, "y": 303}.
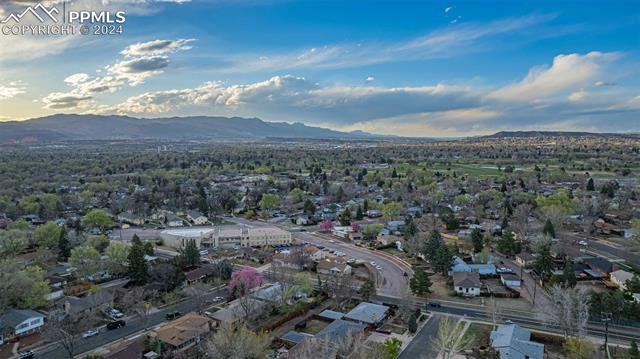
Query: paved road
{"x": 617, "y": 334}
{"x": 391, "y": 280}
{"x": 134, "y": 325}
{"x": 599, "y": 247}
{"x": 420, "y": 347}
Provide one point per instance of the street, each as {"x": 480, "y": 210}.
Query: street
{"x": 420, "y": 347}
{"x": 134, "y": 325}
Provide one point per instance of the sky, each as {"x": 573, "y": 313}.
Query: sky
{"x": 415, "y": 68}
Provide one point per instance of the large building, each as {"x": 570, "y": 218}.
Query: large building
{"x": 226, "y": 236}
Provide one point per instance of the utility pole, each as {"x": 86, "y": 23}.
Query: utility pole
{"x": 606, "y": 318}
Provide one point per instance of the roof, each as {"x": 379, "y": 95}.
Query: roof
{"x": 331, "y": 314}
{"x": 513, "y": 342}
{"x": 466, "y": 280}
{"x": 599, "y": 264}
{"x": 191, "y": 232}
{"x": 329, "y": 265}
{"x": 269, "y": 294}
{"x": 199, "y": 273}
{"x": 367, "y": 313}
{"x": 295, "y": 337}
{"x": 621, "y": 275}
{"x": 90, "y": 301}
{"x": 194, "y": 214}
{"x": 131, "y": 350}
{"x": 16, "y": 316}
{"x": 183, "y": 329}
{"x": 337, "y": 330}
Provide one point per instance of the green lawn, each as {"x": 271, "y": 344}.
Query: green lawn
{"x": 480, "y": 333}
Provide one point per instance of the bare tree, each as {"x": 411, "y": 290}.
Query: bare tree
{"x": 135, "y": 300}
{"x": 450, "y": 340}
{"x": 520, "y": 222}
{"x": 494, "y": 311}
{"x": 67, "y": 330}
{"x": 235, "y": 341}
{"x": 568, "y": 309}
{"x": 340, "y": 286}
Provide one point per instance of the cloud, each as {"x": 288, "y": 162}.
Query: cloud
{"x": 157, "y": 47}
{"x": 442, "y": 43}
{"x": 11, "y": 90}
{"x": 370, "y": 78}
{"x": 566, "y": 72}
{"x": 447, "y": 9}
{"x": 604, "y": 83}
{"x": 578, "y": 96}
{"x": 59, "y": 100}
{"x": 135, "y": 71}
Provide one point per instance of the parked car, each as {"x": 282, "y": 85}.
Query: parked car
{"x": 114, "y": 313}
{"x": 90, "y": 333}
{"x": 435, "y": 304}
{"x": 116, "y": 324}
{"x": 583, "y": 243}
{"x": 218, "y": 299}
{"x": 173, "y": 315}
{"x": 26, "y": 355}
{"x": 372, "y": 263}
{"x": 504, "y": 270}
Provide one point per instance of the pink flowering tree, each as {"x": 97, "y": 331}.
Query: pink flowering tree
{"x": 243, "y": 281}
{"x": 356, "y": 227}
{"x": 326, "y": 226}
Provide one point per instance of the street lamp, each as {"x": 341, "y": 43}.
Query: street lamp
{"x": 606, "y": 318}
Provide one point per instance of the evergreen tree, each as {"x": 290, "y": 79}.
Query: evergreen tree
{"x": 359, "y": 214}
{"x": 443, "y": 260}
{"x": 413, "y": 323}
{"x": 544, "y": 261}
{"x": 137, "y": 266}
{"x": 148, "y": 249}
{"x": 64, "y": 248}
{"x": 633, "y": 350}
{"x": 590, "y": 185}
{"x": 189, "y": 255}
{"x": 365, "y": 205}
{"x": 309, "y": 208}
{"x": 420, "y": 283}
{"x": 477, "y": 240}
{"x": 368, "y": 289}
{"x": 568, "y": 274}
{"x": 394, "y": 174}
{"x": 548, "y": 229}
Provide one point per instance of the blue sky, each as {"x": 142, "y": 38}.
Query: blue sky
{"x": 436, "y": 68}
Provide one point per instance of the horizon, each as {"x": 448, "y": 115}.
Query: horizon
{"x": 425, "y": 69}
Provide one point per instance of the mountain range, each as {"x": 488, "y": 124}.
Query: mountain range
{"x": 95, "y": 127}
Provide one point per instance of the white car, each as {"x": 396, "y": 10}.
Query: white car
{"x": 583, "y": 243}
{"x": 332, "y": 241}
{"x": 116, "y": 313}
{"x": 378, "y": 267}
{"x": 90, "y": 333}
{"x": 373, "y": 263}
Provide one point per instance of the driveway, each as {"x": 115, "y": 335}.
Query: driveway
{"x": 420, "y": 347}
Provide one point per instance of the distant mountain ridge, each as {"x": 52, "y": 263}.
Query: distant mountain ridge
{"x": 532, "y": 134}
{"x": 97, "y": 127}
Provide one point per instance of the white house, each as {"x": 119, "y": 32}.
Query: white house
{"x": 467, "y": 284}
{"x": 19, "y": 322}
{"x": 197, "y": 218}
{"x": 331, "y": 267}
{"x": 174, "y": 221}
{"x": 130, "y": 218}
{"x": 620, "y": 277}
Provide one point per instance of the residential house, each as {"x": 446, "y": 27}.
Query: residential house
{"x": 92, "y": 303}
{"x": 197, "y": 218}
{"x": 414, "y": 211}
{"x": 130, "y": 218}
{"x": 368, "y": 313}
{"x": 314, "y": 253}
{"x": 133, "y": 350}
{"x": 620, "y": 277}
{"x": 330, "y": 267}
{"x": 374, "y": 213}
{"x": 483, "y": 269}
{"x": 56, "y": 286}
{"x": 19, "y": 322}
{"x": 600, "y": 265}
{"x": 184, "y": 332}
{"x": 467, "y": 284}
{"x": 514, "y": 342}
{"x": 510, "y": 279}
{"x": 338, "y": 330}
{"x": 199, "y": 274}
{"x": 396, "y": 226}
{"x": 303, "y": 221}
{"x": 173, "y": 221}
{"x": 255, "y": 255}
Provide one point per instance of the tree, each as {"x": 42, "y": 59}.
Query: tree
{"x": 97, "y": 218}
{"x": 413, "y": 323}
{"x": 297, "y": 195}
{"x": 367, "y": 289}
{"x": 420, "y": 283}
{"x": 578, "y": 348}
{"x": 391, "y": 210}
{"x": 544, "y": 261}
{"x": 633, "y": 350}
{"x": 12, "y": 242}
{"x": 442, "y": 260}
{"x": 243, "y": 281}
{"x": 137, "y": 265}
{"x": 568, "y": 309}
{"x": 309, "y": 208}
{"x": 268, "y": 201}
{"x": 303, "y": 282}
{"x": 66, "y": 331}
{"x": 590, "y": 186}
{"x": 477, "y": 240}
{"x": 235, "y": 341}
{"x": 507, "y": 244}
{"x": 47, "y": 235}
{"x": 370, "y": 230}
{"x": 117, "y": 254}
{"x": 167, "y": 275}
{"x": 548, "y": 229}
{"x": 449, "y": 340}
{"x": 148, "y": 248}
{"x": 190, "y": 255}
{"x": 326, "y": 226}
{"x": 569, "y": 274}
{"x": 86, "y": 260}
{"x": 64, "y": 247}
{"x": 392, "y": 347}
{"x": 36, "y": 291}
{"x": 359, "y": 214}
